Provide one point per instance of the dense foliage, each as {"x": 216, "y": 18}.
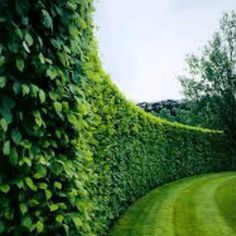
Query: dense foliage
{"x": 210, "y": 80}
{"x": 167, "y": 109}
{"x": 188, "y": 112}
{"x": 171, "y": 110}
{"x": 74, "y": 153}
{"x": 44, "y": 170}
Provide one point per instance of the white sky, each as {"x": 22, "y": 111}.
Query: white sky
{"x": 143, "y": 43}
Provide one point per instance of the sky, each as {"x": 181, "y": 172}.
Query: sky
{"x": 143, "y": 43}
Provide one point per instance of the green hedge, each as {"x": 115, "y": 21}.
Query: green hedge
{"x": 74, "y": 153}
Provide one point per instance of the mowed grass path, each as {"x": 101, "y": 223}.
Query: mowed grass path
{"x": 197, "y": 206}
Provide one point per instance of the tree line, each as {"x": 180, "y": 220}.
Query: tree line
{"x": 208, "y": 84}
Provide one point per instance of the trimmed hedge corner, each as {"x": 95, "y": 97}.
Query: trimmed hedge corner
{"x": 74, "y": 153}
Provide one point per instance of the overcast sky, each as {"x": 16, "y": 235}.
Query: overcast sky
{"x": 143, "y": 43}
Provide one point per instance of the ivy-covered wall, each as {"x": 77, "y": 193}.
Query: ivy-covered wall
{"x": 74, "y": 152}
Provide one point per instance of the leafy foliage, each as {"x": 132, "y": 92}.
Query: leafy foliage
{"x": 74, "y": 153}
{"x": 44, "y": 170}
{"x": 211, "y": 78}
{"x": 186, "y": 112}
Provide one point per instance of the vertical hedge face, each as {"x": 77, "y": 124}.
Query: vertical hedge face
{"x": 73, "y": 152}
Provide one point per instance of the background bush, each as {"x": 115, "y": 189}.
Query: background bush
{"x": 74, "y": 153}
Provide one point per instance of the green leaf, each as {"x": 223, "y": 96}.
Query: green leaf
{"x": 6, "y": 148}
{"x": 40, "y": 42}
{"x": 56, "y": 168}
{"x": 53, "y": 96}
{"x": 20, "y": 65}
{"x": 30, "y": 184}
{"x": 25, "y": 89}
{"x": 72, "y": 119}
{"x": 3, "y": 81}
{"x": 83, "y": 109}
{"x": 41, "y": 58}
{"x": 41, "y": 172}
{"x": 34, "y": 90}
{"x": 26, "y": 47}
{"x": 42, "y": 159}
{"x": 49, "y": 61}
{"x": 2, "y": 60}
{"x": 38, "y": 118}
{"x": 16, "y": 136}
{"x": 82, "y": 23}
{"x": 48, "y": 194}
{"x": 74, "y": 31}
{"x": 19, "y": 32}
{"x": 13, "y": 157}
{"x": 26, "y": 160}
{"x": 42, "y": 96}
{"x": 39, "y": 226}
{"x": 77, "y": 221}
{"x": 5, "y": 188}
{"x": 53, "y": 207}
{"x": 4, "y": 124}
{"x": 26, "y": 144}
{"x": 29, "y": 39}
{"x": 58, "y": 185}
{"x": 16, "y": 88}
{"x": 33, "y": 202}
{"x": 43, "y": 186}
{"x": 25, "y": 20}
{"x": 59, "y": 218}
{"x": 57, "y": 43}
{"x": 57, "y": 106}
{"x": 47, "y": 20}
{"x": 27, "y": 222}
{"x": 51, "y": 73}
{"x": 63, "y": 58}
{"x": 19, "y": 183}
{"x": 72, "y": 5}
{"x": 23, "y": 208}
{"x": 65, "y": 107}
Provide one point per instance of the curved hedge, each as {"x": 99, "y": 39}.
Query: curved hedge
{"x": 74, "y": 153}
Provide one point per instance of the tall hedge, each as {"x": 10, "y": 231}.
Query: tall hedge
{"x": 73, "y": 152}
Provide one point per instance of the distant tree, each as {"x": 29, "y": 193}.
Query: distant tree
{"x": 210, "y": 81}
{"x": 174, "y": 111}
{"x": 166, "y": 114}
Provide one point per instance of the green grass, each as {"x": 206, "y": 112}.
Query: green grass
{"x": 198, "y": 206}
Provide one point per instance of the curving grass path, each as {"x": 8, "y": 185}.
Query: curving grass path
{"x": 198, "y": 206}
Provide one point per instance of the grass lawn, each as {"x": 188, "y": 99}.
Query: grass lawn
{"x": 198, "y": 206}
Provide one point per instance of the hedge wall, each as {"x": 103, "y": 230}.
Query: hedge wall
{"x": 74, "y": 153}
